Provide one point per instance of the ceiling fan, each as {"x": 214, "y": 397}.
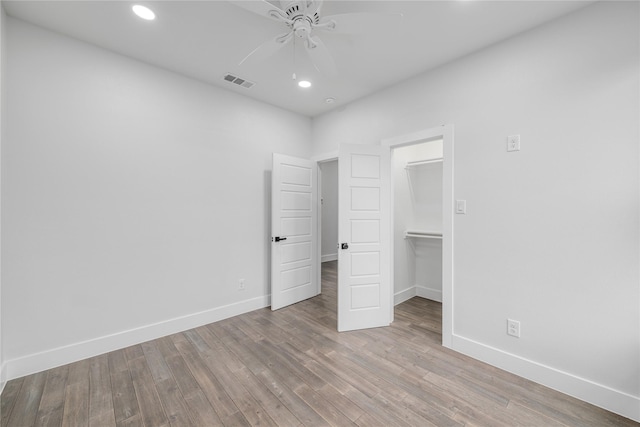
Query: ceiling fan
{"x": 304, "y": 21}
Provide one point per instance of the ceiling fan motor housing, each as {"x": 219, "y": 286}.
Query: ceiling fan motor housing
{"x": 302, "y": 27}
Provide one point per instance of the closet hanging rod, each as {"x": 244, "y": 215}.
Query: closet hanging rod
{"x": 423, "y": 235}
{"x": 424, "y": 162}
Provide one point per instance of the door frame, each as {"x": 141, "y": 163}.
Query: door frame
{"x": 444, "y": 132}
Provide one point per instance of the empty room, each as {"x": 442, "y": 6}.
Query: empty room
{"x": 305, "y": 213}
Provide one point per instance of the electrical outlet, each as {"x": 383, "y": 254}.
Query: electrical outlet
{"x": 513, "y": 328}
{"x": 513, "y": 143}
{"x": 241, "y": 285}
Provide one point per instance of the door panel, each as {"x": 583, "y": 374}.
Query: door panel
{"x": 294, "y": 220}
{"x": 364, "y": 290}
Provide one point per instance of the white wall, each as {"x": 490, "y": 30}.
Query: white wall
{"x": 134, "y": 199}
{"x": 551, "y": 235}
{"x": 417, "y": 199}
{"x": 2, "y": 128}
{"x": 329, "y": 210}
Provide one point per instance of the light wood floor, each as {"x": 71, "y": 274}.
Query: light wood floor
{"x": 292, "y": 368}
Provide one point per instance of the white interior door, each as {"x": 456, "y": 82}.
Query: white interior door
{"x": 364, "y": 289}
{"x": 294, "y": 230}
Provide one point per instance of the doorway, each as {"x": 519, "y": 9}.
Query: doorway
{"x": 425, "y": 227}
{"x": 328, "y": 184}
{"x": 416, "y": 174}
{"x": 329, "y": 210}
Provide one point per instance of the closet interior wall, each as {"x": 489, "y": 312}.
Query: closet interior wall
{"x": 417, "y": 209}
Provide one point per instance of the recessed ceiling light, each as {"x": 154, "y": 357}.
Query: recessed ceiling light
{"x": 330, "y": 100}
{"x": 144, "y": 12}
{"x": 304, "y": 83}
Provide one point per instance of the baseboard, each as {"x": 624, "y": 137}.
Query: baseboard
{"x": 402, "y": 296}
{"x": 3, "y": 381}
{"x": 429, "y": 293}
{"x": 330, "y": 257}
{"x": 597, "y": 394}
{"x": 417, "y": 291}
{"x": 38, "y": 362}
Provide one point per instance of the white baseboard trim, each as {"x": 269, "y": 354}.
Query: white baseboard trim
{"x": 48, "y": 359}
{"x": 3, "y": 381}
{"x": 417, "y": 291}
{"x": 402, "y": 296}
{"x": 429, "y": 293}
{"x": 597, "y": 394}
{"x": 330, "y": 257}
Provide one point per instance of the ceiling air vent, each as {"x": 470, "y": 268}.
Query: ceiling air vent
{"x": 238, "y": 81}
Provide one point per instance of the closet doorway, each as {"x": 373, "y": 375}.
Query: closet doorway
{"x": 416, "y": 174}
{"x": 328, "y": 189}
{"x": 422, "y": 219}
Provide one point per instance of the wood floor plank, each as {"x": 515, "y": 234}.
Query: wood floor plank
{"x": 52, "y": 403}
{"x": 9, "y": 397}
{"x": 392, "y": 407}
{"x": 340, "y": 402}
{"x": 373, "y": 410}
{"x": 201, "y": 410}
{"x": 248, "y": 351}
{"x": 292, "y": 368}
{"x": 28, "y": 399}
{"x": 76, "y": 404}
{"x": 272, "y": 405}
{"x": 305, "y": 413}
{"x": 133, "y": 352}
{"x": 125, "y": 403}
{"x": 156, "y": 362}
{"x": 427, "y": 410}
{"x": 134, "y": 421}
{"x": 322, "y": 406}
{"x": 270, "y": 389}
{"x": 286, "y": 363}
{"x": 210, "y": 385}
{"x": 368, "y": 420}
{"x": 101, "y": 412}
{"x": 173, "y": 403}
{"x": 167, "y": 347}
{"x": 184, "y": 379}
{"x": 244, "y": 401}
{"x": 79, "y": 372}
{"x": 151, "y": 409}
{"x": 236, "y": 420}
{"x": 117, "y": 361}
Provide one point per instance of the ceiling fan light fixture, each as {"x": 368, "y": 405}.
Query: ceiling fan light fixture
{"x": 304, "y": 84}
{"x": 143, "y": 12}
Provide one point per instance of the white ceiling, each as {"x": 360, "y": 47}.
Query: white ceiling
{"x": 206, "y": 39}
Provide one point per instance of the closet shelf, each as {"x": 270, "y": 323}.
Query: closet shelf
{"x": 420, "y": 234}
{"x": 423, "y": 162}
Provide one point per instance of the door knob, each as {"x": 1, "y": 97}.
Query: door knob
{"x": 344, "y": 246}
{"x": 280, "y": 238}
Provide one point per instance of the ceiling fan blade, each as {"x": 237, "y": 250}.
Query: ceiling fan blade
{"x": 267, "y": 49}
{"x": 321, "y": 57}
{"x": 263, "y": 8}
{"x": 353, "y": 23}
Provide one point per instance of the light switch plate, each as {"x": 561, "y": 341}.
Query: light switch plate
{"x": 461, "y": 207}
